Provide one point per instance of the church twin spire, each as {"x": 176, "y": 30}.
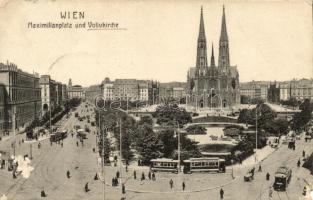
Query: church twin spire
{"x": 223, "y": 60}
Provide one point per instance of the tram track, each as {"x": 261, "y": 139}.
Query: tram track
{"x": 292, "y": 157}
{"x": 21, "y": 182}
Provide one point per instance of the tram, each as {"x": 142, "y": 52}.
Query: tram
{"x": 81, "y": 134}
{"x": 282, "y": 178}
{"x": 57, "y": 136}
{"x": 213, "y": 164}
{"x": 164, "y": 164}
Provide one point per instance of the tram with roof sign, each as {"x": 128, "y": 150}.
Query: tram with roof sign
{"x": 164, "y": 164}
{"x": 282, "y": 178}
{"x": 213, "y": 164}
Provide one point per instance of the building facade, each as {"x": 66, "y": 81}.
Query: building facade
{"x": 92, "y": 92}
{"x": 75, "y": 91}
{"x": 211, "y": 85}
{"x": 255, "y": 89}
{"x": 297, "y": 89}
{"x": 22, "y": 97}
{"x": 49, "y": 94}
{"x": 107, "y": 89}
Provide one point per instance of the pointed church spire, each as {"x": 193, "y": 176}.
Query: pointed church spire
{"x": 212, "y": 57}
{"x": 201, "y": 27}
{"x": 201, "y": 63}
{"x": 224, "y": 36}
{"x": 223, "y": 57}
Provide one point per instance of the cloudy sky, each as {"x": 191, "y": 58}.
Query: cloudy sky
{"x": 269, "y": 40}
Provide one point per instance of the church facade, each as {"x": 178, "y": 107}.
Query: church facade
{"x": 214, "y": 86}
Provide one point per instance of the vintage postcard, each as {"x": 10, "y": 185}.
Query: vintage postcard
{"x": 156, "y": 100}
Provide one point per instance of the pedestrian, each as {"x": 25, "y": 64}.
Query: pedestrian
{"x": 135, "y": 176}
{"x": 39, "y": 145}
{"x": 171, "y": 183}
{"x": 153, "y": 176}
{"x": 126, "y": 168}
{"x": 298, "y": 163}
{"x": 303, "y": 153}
{"x": 260, "y": 168}
{"x": 113, "y": 182}
{"x": 22, "y": 140}
{"x": 96, "y": 177}
{"x": 50, "y": 143}
{"x": 183, "y": 185}
{"x": 68, "y": 174}
{"x": 267, "y": 176}
{"x": 43, "y": 193}
{"x": 87, "y": 188}
{"x": 117, "y": 174}
{"x": 61, "y": 144}
{"x": 143, "y": 176}
{"x": 77, "y": 143}
{"x": 149, "y": 175}
{"x": 221, "y": 193}
{"x": 123, "y": 188}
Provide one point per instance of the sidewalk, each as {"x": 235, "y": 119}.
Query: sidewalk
{"x": 39, "y": 139}
{"x": 262, "y": 154}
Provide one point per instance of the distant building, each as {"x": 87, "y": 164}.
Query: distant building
{"x": 4, "y": 118}
{"x": 21, "y": 97}
{"x": 107, "y": 90}
{"x": 126, "y": 89}
{"x": 64, "y": 93}
{"x": 273, "y": 93}
{"x": 130, "y": 90}
{"x": 210, "y": 85}
{"x": 284, "y": 90}
{"x": 58, "y": 87}
{"x": 75, "y": 91}
{"x": 49, "y": 95}
{"x": 92, "y": 92}
{"x": 172, "y": 90}
{"x": 297, "y": 89}
{"x": 255, "y": 89}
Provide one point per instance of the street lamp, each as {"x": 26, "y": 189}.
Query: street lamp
{"x": 256, "y": 131}
{"x": 100, "y": 106}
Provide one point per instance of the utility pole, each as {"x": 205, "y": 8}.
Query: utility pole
{"x": 30, "y": 151}
{"x": 50, "y": 116}
{"x": 256, "y": 132}
{"x": 102, "y": 159}
{"x": 14, "y": 127}
{"x": 121, "y": 163}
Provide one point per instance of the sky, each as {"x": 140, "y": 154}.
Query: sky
{"x": 268, "y": 40}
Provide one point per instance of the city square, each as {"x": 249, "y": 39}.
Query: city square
{"x": 87, "y": 127}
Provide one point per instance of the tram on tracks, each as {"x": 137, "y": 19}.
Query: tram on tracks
{"x": 282, "y": 178}
{"x": 213, "y": 164}
{"x": 57, "y": 136}
{"x": 164, "y": 164}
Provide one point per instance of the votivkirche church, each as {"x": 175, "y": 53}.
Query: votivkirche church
{"x": 213, "y": 86}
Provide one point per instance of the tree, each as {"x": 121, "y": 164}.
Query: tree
{"x": 104, "y": 147}
{"x": 148, "y": 144}
{"x": 302, "y": 118}
{"x": 277, "y": 127}
{"x": 168, "y": 113}
{"x": 196, "y": 129}
{"x": 245, "y": 116}
{"x": 189, "y": 148}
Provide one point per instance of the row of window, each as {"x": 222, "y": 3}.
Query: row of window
{"x": 24, "y": 94}
{"x": 204, "y": 164}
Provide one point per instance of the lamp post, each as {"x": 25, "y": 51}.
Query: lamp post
{"x": 100, "y": 105}
{"x": 256, "y": 132}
